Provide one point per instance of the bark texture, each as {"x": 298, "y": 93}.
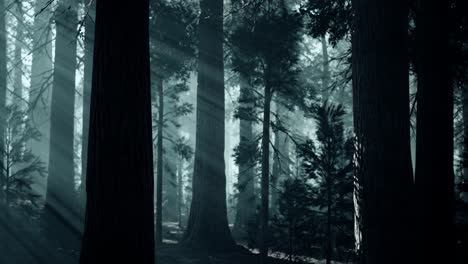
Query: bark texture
{"x": 382, "y": 133}
{"x": 434, "y": 135}
{"x": 119, "y": 225}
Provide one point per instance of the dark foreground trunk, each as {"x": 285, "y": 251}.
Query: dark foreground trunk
{"x": 434, "y": 135}
{"x": 381, "y": 122}
{"x": 119, "y": 225}
{"x": 207, "y": 225}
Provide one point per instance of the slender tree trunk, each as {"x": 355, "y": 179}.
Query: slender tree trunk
{"x": 246, "y": 197}
{"x": 89, "y": 26}
{"x": 277, "y": 166}
{"x": 207, "y": 225}
{"x": 180, "y": 193}
{"x": 3, "y": 90}
{"x": 434, "y": 135}
{"x": 265, "y": 180}
{"x": 159, "y": 163}
{"x": 41, "y": 85}
{"x": 61, "y": 216}
{"x": 326, "y": 69}
{"x": 465, "y": 143}
{"x": 329, "y": 219}
{"x": 381, "y": 122}
{"x": 18, "y": 61}
{"x": 119, "y": 225}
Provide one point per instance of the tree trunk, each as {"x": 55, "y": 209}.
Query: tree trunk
{"x": 465, "y": 143}
{"x": 207, "y": 227}
{"x": 61, "y": 216}
{"x": 3, "y": 90}
{"x": 87, "y": 83}
{"x": 159, "y": 163}
{"x": 329, "y": 218}
{"x": 17, "y": 97}
{"x": 326, "y": 69}
{"x": 246, "y": 200}
{"x": 119, "y": 225}
{"x": 265, "y": 180}
{"x": 180, "y": 193}
{"x": 41, "y": 82}
{"x": 434, "y": 136}
{"x": 381, "y": 122}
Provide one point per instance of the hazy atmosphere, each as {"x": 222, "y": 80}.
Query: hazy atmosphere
{"x": 233, "y": 131}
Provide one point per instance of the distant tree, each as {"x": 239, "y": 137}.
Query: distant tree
{"x": 207, "y": 226}
{"x": 329, "y": 165}
{"x": 268, "y": 44}
{"x": 61, "y": 215}
{"x": 172, "y": 38}
{"x": 119, "y": 225}
{"x": 20, "y": 165}
{"x": 3, "y": 84}
{"x": 89, "y": 26}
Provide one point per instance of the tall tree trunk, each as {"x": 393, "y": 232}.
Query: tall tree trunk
{"x": 381, "y": 122}
{"x": 207, "y": 225}
{"x": 61, "y": 219}
{"x": 180, "y": 193}
{"x": 465, "y": 143}
{"x": 329, "y": 219}
{"x": 265, "y": 180}
{"x": 41, "y": 82}
{"x": 119, "y": 225}
{"x": 89, "y": 26}
{"x": 277, "y": 166}
{"x": 326, "y": 69}
{"x": 3, "y": 90}
{"x": 159, "y": 162}
{"x": 246, "y": 200}
{"x": 18, "y": 58}
{"x": 434, "y": 135}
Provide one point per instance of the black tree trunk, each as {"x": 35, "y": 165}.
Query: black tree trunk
{"x": 119, "y": 225}
{"x": 381, "y": 122}
{"x": 434, "y": 135}
{"x": 3, "y": 90}
{"x": 207, "y": 227}
{"x": 159, "y": 162}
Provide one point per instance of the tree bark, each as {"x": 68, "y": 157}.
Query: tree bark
{"x": 465, "y": 143}
{"x": 119, "y": 225}
{"x": 207, "y": 227}
{"x": 434, "y": 136}
{"x": 61, "y": 216}
{"x": 382, "y": 133}
{"x": 89, "y": 26}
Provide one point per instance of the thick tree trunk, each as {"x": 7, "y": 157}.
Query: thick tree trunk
{"x": 119, "y": 225}
{"x": 207, "y": 225}
{"x": 61, "y": 216}
{"x": 265, "y": 180}
{"x": 246, "y": 200}
{"x": 381, "y": 122}
{"x": 159, "y": 162}
{"x": 180, "y": 192}
{"x": 89, "y": 26}
{"x": 434, "y": 135}
{"x": 3, "y": 90}
{"x": 41, "y": 85}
